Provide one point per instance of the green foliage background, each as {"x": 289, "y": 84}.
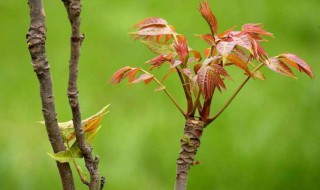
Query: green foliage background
{"x": 269, "y": 138}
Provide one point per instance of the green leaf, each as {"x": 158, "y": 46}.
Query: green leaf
{"x": 66, "y": 156}
{"x": 74, "y": 151}
{"x": 160, "y": 48}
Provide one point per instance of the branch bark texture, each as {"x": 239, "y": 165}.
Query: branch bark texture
{"x": 36, "y": 38}
{"x": 190, "y": 143}
{"x": 73, "y": 8}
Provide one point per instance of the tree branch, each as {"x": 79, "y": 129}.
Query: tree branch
{"x": 234, "y": 95}
{"x": 36, "y": 39}
{"x": 73, "y": 8}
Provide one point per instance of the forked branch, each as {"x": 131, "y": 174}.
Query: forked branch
{"x": 36, "y": 39}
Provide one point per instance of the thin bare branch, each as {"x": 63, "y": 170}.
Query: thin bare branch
{"x": 36, "y": 39}
{"x": 167, "y": 92}
{"x": 73, "y": 8}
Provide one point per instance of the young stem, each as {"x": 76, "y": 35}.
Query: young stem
{"x": 190, "y": 143}
{"x": 82, "y": 178}
{"x": 36, "y": 39}
{"x": 73, "y": 8}
{"x": 196, "y": 103}
{"x": 234, "y": 95}
{"x": 167, "y": 92}
{"x": 185, "y": 84}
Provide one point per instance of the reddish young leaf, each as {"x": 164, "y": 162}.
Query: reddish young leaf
{"x": 280, "y": 67}
{"x": 175, "y": 63}
{"x": 258, "y": 51}
{"x": 208, "y": 38}
{"x": 227, "y": 32}
{"x": 159, "y": 60}
{"x": 144, "y": 77}
{"x": 147, "y": 81}
{"x": 150, "y": 22}
{"x": 255, "y": 28}
{"x": 225, "y": 48}
{"x": 258, "y": 75}
{"x": 154, "y": 31}
{"x": 242, "y": 55}
{"x": 132, "y": 73}
{"x": 196, "y": 54}
{"x": 297, "y": 63}
{"x": 196, "y": 68}
{"x": 207, "y": 52}
{"x": 118, "y": 76}
{"x": 181, "y": 48}
{"x": 209, "y": 78}
{"x": 243, "y": 41}
{"x": 207, "y": 14}
{"x": 187, "y": 72}
{"x": 237, "y": 61}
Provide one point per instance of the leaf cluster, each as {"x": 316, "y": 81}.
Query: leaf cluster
{"x": 91, "y": 127}
{"x": 201, "y": 75}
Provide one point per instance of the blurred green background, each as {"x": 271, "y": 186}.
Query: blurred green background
{"x": 269, "y": 138}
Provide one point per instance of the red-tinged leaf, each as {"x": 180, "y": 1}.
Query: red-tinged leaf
{"x": 207, "y": 52}
{"x": 227, "y": 32}
{"x": 257, "y": 37}
{"x": 207, "y": 14}
{"x": 159, "y": 60}
{"x": 132, "y": 73}
{"x": 154, "y": 31}
{"x": 196, "y": 68}
{"x": 243, "y": 41}
{"x": 147, "y": 81}
{"x": 187, "y": 72}
{"x": 210, "y": 60}
{"x": 208, "y": 38}
{"x": 209, "y": 78}
{"x": 258, "y": 75}
{"x": 176, "y": 63}
{"x": 118, "y": 76}
{"x": 159, "y": 48}
{"x": 167, "y": 38}
{"x": 258, "y": 52}
{"x": 150, "y": 22}
{"x": 280, "y": 67}
{"x": 237, "y": 61}
{"x": 196, "y": 54}
{"x": 181, "y": 47}
{"x": 143, "y": 77}
{"x": 297, "y": 63}
{"x": 242, "y": 55}
{"x": 225, "y": 48}
{"x": 160, "y": 88}
{"x": 255, "y": 28}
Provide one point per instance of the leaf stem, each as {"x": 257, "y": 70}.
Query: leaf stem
{"x": 167, "y": 92}
{"x": 185, "y": 82}
{"x": 82, "y": 178}
{"x": 196, "y": 103}
{"x": 234, "y": 95}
